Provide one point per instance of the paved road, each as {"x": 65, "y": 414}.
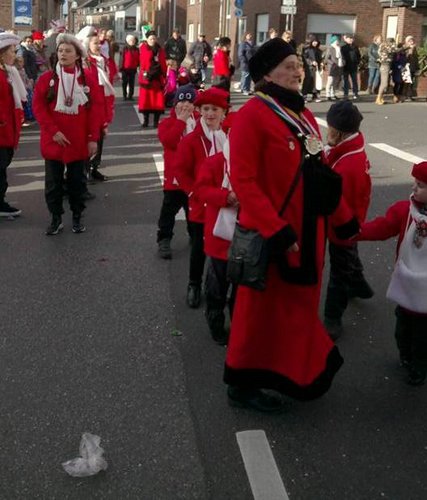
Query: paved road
{"x": 87, "y": 343}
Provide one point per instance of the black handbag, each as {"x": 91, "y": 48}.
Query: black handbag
{"x": 248, "y": 255}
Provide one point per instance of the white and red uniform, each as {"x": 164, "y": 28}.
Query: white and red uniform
{"x": 11, "y": 116}
{"x": 79, "y": 129}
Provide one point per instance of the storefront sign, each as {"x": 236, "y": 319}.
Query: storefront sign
{"x": 23, "y": 14}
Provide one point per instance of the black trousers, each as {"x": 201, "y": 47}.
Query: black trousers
{"x": 96, "y": 160}
{"x": 345, "y": 273}
{"x": 6, "y": 155}
{"x": 197, "y": 254}
{"x": 216, "y": 291}
{"x": 173, "y": 201}
{"x": 128, "y": 79}
{"x": 411, "y": 338}
{"x": 75, "y": 181}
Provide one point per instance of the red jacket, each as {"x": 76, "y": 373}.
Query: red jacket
{"x": 209, "y": 190}
{"x": 107, "y": 114}
{"x": 79, "y": 129}
{"x": 350, "y": 161}
{"x": 393, "y": 223}
{"x": 221, "y": 64}
{"x": 129, "y": 58}
{"x": 192, "y": 152}
{"x": 170, "y": 132}
{"x": 10, "y": 117}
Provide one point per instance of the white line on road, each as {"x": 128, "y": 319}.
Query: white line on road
{"x": 397, "y": 152}
{"x": 261, "y": 468}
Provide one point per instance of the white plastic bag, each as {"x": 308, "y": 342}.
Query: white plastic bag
{"x": 319, "y": 80}
{"x": 91, "y": 461}
{"x": 225, "y": 223}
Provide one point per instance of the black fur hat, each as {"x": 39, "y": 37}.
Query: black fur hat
{"x": 268, "y": 56}
{"x": 344, "y": 116}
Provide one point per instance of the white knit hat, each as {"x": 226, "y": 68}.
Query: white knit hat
{"x": 84, "y": 34}
{"x": 67, "y": 38}
{"x": 7, "y": 39}
{"x": 129, "y": 38}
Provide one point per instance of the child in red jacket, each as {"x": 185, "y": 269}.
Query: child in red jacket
{"x": 207, "y": 139}
{"x": 180, "y": 123}
{"x": 214, "y": 189}
{"x": 222, "y": 68}
{"x": 346, "y": 155}
{"x": 408, "y": 286}
{"x": 12, "y": 94}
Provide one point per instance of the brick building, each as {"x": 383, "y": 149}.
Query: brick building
{"x": 164, "y": 16}
{"x": 43, "y": 11}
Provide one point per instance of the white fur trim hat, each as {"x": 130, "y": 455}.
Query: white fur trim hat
{"x": 71, "y": 39}
{"x": 7, "y": 39}
{"x": 129, "y": 38}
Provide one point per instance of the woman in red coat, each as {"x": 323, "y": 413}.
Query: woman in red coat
{"x": 98, "y": 67}
{"x": 277, "y": 340}
{"x": 67, "y": 105}
{"x": 207, "y": 139}
{"x": 152, "y": 78}
{"x": 12, "y": 93}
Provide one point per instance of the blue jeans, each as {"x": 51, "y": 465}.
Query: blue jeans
{"x": 374, "y": 78}
{"x": 245, "y": 81}
{"x": 354, "y": 84}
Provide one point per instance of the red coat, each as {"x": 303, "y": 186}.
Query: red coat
{"x": 277, "y": 339}
{"x": 107, "y": 114}
{"x": 350, "y": 161}
{"x": 221, "y": 64}
{"x": 10, "y": 117}
{"x": 209, "y": 191}
{"x": 392, "y": 224}
{"x": 192, "y": 152}
{"x": 79, "y": 129}
{"x": 151, "y": 95}
{"x": 129, "y": 58}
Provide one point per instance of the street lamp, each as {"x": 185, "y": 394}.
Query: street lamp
{"x": 73, "y": 7}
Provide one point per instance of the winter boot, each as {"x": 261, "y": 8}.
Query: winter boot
{"x": 165, "y": 251}
{"x": 146, "y": 119}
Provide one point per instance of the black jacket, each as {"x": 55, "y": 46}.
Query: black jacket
{"x": 246, "y": 51}
{"x": 176, "y": 49}
{"x": 351, "y": 55}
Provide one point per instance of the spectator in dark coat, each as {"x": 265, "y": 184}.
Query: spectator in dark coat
{"x": 246, "y": 51}
{"x": 312, "y": 57}
{"x": 397, "y": 66}
{"x": 410, "y": 89}
{"x": 176, "y": 48}
{"x": 201, "y": 53}
{"x": 29, "y": 55}
{"x": 351, "y": 55}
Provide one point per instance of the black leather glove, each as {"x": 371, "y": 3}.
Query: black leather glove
{"x": 348, "y": 230}
{"x": 282, "y": 240}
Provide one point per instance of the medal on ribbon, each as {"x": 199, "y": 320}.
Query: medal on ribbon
{"x": 313, "y": 145}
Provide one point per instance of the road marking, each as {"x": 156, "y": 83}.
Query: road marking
{"x": 261, "y": 468}
{"x": 397, "y": 152}
{"x": 322, "y": 122}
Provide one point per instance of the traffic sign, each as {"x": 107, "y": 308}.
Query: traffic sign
{"x": 238, "y": 4}
{"x": 289, "y": 3}
{"x": 286, "y": 9}
{"x": 238, "y": 12}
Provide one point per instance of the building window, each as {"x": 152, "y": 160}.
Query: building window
{"x": 191, "y": 32}
{"x": 192, "y": 2}
{"x": 262, "y": 26}
{"x": 391, "y": 27}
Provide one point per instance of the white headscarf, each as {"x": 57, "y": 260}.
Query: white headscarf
{"x": 18, "y": 87}
{"x": 66, "y": 84}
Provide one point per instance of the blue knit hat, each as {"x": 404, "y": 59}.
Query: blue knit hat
{"x": 185, "y": 93}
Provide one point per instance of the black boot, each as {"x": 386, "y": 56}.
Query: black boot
{"x": 193, "y": 295}
{"x": 78, "y": 227}
{"x": 146, "y": 119}
{"x": 97, "y": 176}
{"x": 254, "y": 399}
{"x": 165, "y": 251}
{"x": 56, "y": 225}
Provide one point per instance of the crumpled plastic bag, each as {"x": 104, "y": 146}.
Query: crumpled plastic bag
{"x": 91, "y": 461}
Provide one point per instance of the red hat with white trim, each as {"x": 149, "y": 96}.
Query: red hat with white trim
{"x": 419, "y": 171}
